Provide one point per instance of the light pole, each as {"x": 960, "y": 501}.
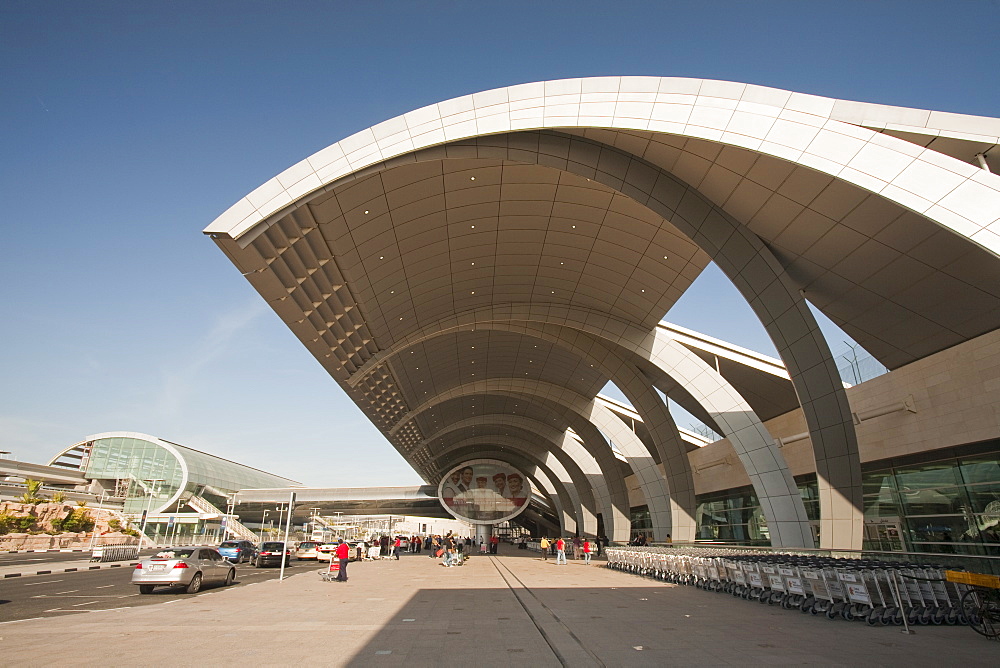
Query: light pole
{"x": 263, "y": 520}
{"x": 230, "y": 509}
{"x": 93, "y": 537}
{"x": 149, "y": 503}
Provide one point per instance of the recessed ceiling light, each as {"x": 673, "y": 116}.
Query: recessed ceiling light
{"x": 472, "y": 178}
{"x": 381, "y": 257}
{"x": 473, "y": 227}
{"x": 366, "y": 211}
{"x": 474, "y": 292}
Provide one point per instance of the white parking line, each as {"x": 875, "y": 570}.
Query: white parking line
{"x": 29, "y": 619}
{"x": 104, "y": 586}
{"x": 70, "y": 591}
{"x": 76, "y": 605}
{"x": 61, "y": 610}
{"x": 32, "y": 584}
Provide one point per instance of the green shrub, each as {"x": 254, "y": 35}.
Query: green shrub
{"x": 6, "y": 523}
{"x": 24, "y": 522}
{"x": 57, "y": 523}
{"x": 114, "y": 524}
{"x": 58, "y": 497}
{"x": 31, "y": 495}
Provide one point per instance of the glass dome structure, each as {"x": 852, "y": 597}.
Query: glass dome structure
{"x": 154, "y": 474}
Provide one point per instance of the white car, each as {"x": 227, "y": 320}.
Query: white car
{"x": 191, "y": 567}
{"x": 307, "y": 549}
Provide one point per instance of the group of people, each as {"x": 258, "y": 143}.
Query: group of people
{"x": 451, "y": 549}
{"x": 581, "y": 548}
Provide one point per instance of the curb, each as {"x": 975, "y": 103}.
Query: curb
{"x": 54, "y": 571}
{"x": 51, "y": 550}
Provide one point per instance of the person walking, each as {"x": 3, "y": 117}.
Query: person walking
{"x": 343, "y": 556}
{"x": 560, "y": 551}
{"x": 576, "y": 548}
{"x": 586, "y": 550}
{"x": 544, "y": 546}
{"x": 397, "y": 544}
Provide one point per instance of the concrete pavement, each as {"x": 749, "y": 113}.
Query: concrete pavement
{"x": 494, "y": 611}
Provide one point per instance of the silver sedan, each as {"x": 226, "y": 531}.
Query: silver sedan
{"x": 191, "y": 567}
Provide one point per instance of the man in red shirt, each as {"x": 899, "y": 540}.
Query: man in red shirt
{"x": 343, "y": 556}
{"x": 560, "y": 552}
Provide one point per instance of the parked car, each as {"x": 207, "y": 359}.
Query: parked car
{"x": 238, "y": 551}
{"x": 192, "y": 567}
{"x": 271, "y": 554}
{"x": 327, "y": 551}
{"x": 307, "y": 550}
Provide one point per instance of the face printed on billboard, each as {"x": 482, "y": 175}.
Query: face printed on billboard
{"x": 484, "y": 491}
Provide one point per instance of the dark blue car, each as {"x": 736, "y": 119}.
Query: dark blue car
{"x": 238, "y": 551}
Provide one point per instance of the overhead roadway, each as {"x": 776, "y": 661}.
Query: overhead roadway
{"x": 506, "y": 254}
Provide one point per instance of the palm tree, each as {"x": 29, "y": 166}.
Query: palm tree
{"x": 31, "y": 493}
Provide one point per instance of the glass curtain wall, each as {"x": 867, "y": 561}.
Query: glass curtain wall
{"x": 944, "y": 501}
{"x": 150, "y": 474}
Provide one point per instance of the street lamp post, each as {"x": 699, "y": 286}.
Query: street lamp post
{"x": 149, "y": 503}
{"x": 263, "y": 520}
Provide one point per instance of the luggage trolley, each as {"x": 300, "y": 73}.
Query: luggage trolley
{"x": 773, "y": 582}
{"x": 980, "y": 602}
{"x": 795, "y": 592}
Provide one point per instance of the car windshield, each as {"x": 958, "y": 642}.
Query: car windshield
{"x": 174, "y": 554}
{"x": 269, "y": 547}
{"x": 230, "y": 543}
{"x": 307, "y": 546}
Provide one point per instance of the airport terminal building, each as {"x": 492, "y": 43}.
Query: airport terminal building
{"x": 472, "y": 273}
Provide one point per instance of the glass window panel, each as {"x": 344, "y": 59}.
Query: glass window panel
{"x": 985, "y": 498}
{"x": 942, "y": 529}
{"x": 924, "y": 476}
{"x": 933, "y": 501}
{"x": 980, "y": 469}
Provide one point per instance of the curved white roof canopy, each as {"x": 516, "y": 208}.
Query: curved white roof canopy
{"x": 540, "y": 232}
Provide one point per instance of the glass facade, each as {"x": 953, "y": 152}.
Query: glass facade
{"x": 150, "y": 474}
{"x": 944, "y": 501}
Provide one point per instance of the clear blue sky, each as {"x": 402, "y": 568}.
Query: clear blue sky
{"x": 128, "y": 126}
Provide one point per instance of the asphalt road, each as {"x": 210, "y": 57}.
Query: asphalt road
{"x": 68, "y": 594}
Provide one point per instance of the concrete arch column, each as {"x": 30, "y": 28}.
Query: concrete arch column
{"x": 755, "y": 272}
{"x": 582, "y": 499}
{"x": 766, "y": 467}
{"x": 640, "y": 460}
{"x": 532, "y": 468}
{"x": 764, "y": 463}
{"x": 612, "y": 500}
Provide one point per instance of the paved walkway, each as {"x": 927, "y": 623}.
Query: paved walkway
{"x": 495, "y": 611}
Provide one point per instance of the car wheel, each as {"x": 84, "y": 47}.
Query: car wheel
{"x": 230, "y": 576}
{"x": 146, "y": 589}
{"x": 195, "y": 585}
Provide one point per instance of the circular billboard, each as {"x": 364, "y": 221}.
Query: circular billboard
{"x": 484, "y": 491}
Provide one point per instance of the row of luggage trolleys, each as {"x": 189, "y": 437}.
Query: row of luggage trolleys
{"x": 851, "y": 589}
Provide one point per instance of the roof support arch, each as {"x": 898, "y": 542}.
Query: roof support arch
{"x": 577, "y": 487}
{"x": 535, "y": 470}
{"x": 764, "y": 463}
{"x": 641, "y": 461}
{"x": 759, "y": 277}
{"x": 609, "y": 492}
